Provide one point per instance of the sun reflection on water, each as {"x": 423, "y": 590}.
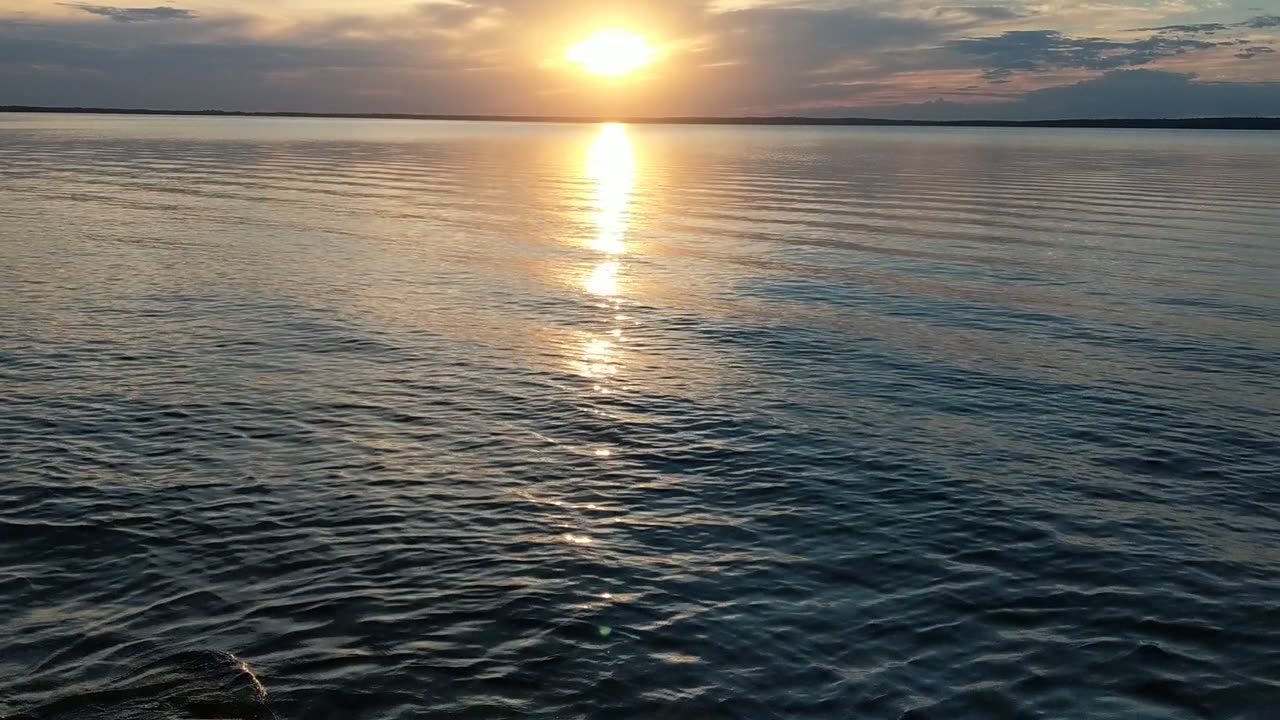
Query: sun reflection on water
{"x": 611, "y": 164}
{"x": 603, "y": 280}
{"x": 611, "y": 167}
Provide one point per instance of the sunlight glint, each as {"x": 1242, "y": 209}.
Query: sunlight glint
{"x": 611, "y": 53}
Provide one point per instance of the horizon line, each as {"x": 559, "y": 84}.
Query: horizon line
{"x": 1228, "y": 122}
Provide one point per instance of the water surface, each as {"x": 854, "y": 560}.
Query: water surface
{"x": 370, "y": 419}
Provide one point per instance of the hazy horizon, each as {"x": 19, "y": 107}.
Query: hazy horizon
{"x": 1203, "y": 122}
{"x": 938, "y": 60}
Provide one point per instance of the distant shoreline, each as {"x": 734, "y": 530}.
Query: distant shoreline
{"x": 1211, "y": 123}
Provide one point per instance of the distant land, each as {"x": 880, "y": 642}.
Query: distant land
{"x": 1207, "y": 123}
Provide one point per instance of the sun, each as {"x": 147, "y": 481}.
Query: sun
{"x": 611, "y": 53}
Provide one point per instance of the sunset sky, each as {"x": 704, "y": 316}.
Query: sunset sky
{"x": 910, "y": 58}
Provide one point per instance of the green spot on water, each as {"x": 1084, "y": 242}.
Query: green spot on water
{"x": 605, "y": 631}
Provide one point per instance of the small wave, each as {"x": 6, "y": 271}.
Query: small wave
{"x": 197, "y": 685}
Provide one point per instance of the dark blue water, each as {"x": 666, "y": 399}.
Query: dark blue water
{"x": 323, "y": 419}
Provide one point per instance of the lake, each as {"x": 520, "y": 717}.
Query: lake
{"x": 311, "y": 418}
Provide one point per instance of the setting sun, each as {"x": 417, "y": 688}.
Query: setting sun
{"x": 611, "y": 53}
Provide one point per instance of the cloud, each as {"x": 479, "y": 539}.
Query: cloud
{"x": 1116, "y": 94}
{"x": 1198, "y": 28}
{"x": 758, "y": 59}
{"x": 991, "y": 12}
{"x": 133, "y": 14}
{"x": 220, "y": 62}
{"x": 808, "y": 38}
{"x": 1259, "y": 22}
{"x": 1262, "y": 22}
{"x": 451, "y": 15}
{"x": 1254, "y": 51}
{"x": 1014, "y": 51}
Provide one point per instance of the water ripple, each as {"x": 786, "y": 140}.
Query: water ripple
{"x": 468, "y": 420}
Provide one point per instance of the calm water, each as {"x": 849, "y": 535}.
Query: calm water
{"x": 310, "y": 419}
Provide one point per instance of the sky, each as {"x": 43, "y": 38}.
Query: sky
{"x": 929, "y": 59}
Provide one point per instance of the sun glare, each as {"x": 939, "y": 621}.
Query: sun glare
{"x": 611, "y": 53}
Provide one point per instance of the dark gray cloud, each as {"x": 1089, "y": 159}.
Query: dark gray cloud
{"x": 1254, "y": 51}
{"x": 1197, "y": 28}
{"x": 1000, "y": 56}
{"x": 1173, "y": 33}
{"x": 1119, "y": 93}
{"x": 991, "y": 12}
{"x": 135, "y": 14}
{"x": 1262, "y": 22}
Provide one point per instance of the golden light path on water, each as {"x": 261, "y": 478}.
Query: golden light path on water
{"x": 611, "y": 167}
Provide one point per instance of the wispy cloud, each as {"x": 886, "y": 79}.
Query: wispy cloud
{"x": 1258, "y": 22}
{"x": 1193, "y": 29}
{"x": 135, "y": 14}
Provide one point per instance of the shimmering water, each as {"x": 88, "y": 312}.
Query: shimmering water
{"x": 332, "y": 419}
